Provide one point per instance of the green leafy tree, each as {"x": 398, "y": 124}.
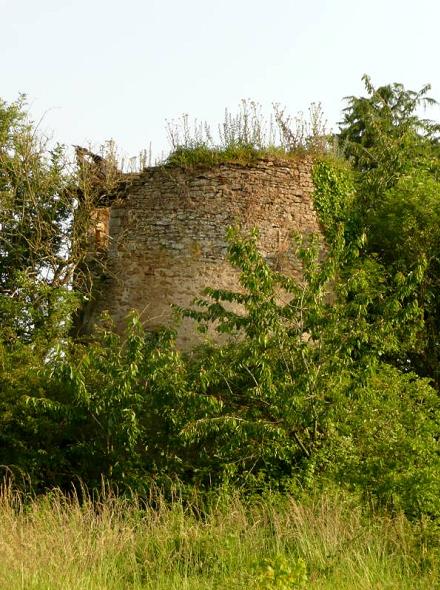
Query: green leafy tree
{"x": 385, "y": 138}
{"x": 36, "y": 212}
{"x": 39, "y": 257}
{"x": 273, "y": 399}
{"x": 396, "y": 155}
{"x": 35, "y": 301}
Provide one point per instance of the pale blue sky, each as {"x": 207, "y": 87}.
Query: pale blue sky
{"x": 117, "y": 69}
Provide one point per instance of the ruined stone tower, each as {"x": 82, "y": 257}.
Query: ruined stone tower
{"x": 163, "y": 230}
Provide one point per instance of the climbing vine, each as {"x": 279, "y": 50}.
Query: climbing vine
{"x": 334, "y": 193}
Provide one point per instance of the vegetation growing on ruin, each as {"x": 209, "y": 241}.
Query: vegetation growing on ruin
{"x": 247, "y": 137}
{"x": 337, "y": 388}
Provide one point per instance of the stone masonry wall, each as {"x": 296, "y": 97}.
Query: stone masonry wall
{"x": 167, "y": 231}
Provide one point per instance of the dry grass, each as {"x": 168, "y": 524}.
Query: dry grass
{"x": 58, "y": 543}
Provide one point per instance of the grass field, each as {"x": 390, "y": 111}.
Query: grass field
{"x": 323, "y": 543}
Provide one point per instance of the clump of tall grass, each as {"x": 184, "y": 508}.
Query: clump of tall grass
{"x": 56, "y": 542}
